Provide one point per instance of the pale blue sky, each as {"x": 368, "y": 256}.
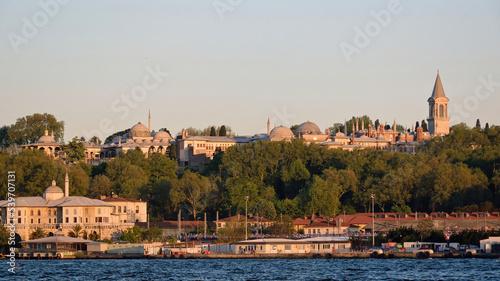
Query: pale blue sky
{"x": 258, "y": 59}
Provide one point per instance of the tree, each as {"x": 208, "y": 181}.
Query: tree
{"x": 212, "y": 132}
{"x": 4, "y": 137}
{"x": 222, "y": 131}
{"x": 120, "y": 133}
{"x": 128, "y": 178}
{"x": 264, "y": 208}
{"x": 424, "y": 126}
{"x": 38, "y": 233}
{"x": 293, "y": 128}
{"x": 417, "y": 125}
{"x": 75, "y": 150}
{"x": 95, "y": 140}
{"x": 425, "y": 227}
{"x": 30, "y": 128}
{"x": 193, "y": 191}
{"x": 478, "y": 124}
{"x": 100, "y": 185}
{"x": 133, "y": 234}
{"x": 76, "y": 231}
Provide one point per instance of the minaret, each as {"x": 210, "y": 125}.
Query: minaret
{"x": 66, "y": 185}
{"x": 438, "y": 122}
{"x": 345, "y": 127}
{"x": 149, "y": 121}
{"x": 268, "y": 126}
{"x": 353, "y": 135}
{"x": 362, "y": 124}
{"x": 394, "y": 131}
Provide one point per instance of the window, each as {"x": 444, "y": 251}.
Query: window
{"x": 39, "y": 213}
{"x": 55, "y": 220}
{"x": 31, "y": 213}
{"x": 19, "y": 213}
{"x": 86, "y": 211}
{"x": 314, "y": 231}
{"x": 67, "y": 220}
{"x": 50, "y": 213}
{"x": 50, "y": 220}
{"x": 86, "y": 220}
{"x": 66, "y": 212}
{"x": 326, "y": 246}
{"x": 114, "y": 209}
{"x": 19, "y": 220}
{"x": 288, "y": 247}
{"x": 38, "y": 220}
{"x": 441, "y": 110}
{"x": 136, "y": 209}
{"x": 98, "y": 211}
{"x": 55, "y": 212}
{"x": 74, "y": 211}
{"x": 31, "y": 220}
{"x": 124, "y": 209}
{"x": 119, "y": 209}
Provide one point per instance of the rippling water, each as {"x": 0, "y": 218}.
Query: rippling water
{"x": 256, "y": 269}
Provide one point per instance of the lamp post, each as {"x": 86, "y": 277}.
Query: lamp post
{"x": 373, "y": 219}
{"x": 246, "y": 217}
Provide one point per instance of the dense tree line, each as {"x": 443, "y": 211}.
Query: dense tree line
{"x": 290, "y": 179}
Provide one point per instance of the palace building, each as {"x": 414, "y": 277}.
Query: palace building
{"x": 57, "y": 210}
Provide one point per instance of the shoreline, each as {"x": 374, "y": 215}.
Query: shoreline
{"x": 353, "y": 255}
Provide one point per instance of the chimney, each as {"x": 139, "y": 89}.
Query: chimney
{"x": 66, "y": 185}
{"x": 369, "y": 130}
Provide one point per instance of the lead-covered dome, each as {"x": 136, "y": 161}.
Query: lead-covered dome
{"x": 162, "y": 135}
{"x": 46, "y": 138}
{"x": 139, "y": 130}
{"x": 307, "y": 128}
{"x": 53, "y": 192}
{"x": 281, "y": 132}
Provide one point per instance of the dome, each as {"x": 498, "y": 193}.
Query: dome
{"x": 46, "y": 138}
{"x": 53, "y": 192}
{"x": 139, "y": 130}
{"x": 308, "y": 128}
{"x": 162, "y": 135}
{"x": 281, "y": 132}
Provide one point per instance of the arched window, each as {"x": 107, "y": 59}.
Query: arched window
{"x": 66, "y": 212}
{"x": 441, "y": 110}
{"x": 136, "y": 209}
{"x": 74, "y": 211}
{"x": 98, "y": 211}
{"x": 124, "y": 209}
{"x": 86, "y": 211}
{"x": 119, "y": 209}
{"x": 39, "y": 213}
{"x": 19, "y": 213}
{"x": 31, "y": 213}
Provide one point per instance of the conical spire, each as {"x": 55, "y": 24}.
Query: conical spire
{"x": 149, "y": 121}
{"x": 438, "y": 88}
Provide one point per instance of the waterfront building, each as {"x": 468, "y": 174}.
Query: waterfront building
{"x": 127, "y": 210}
{"x": 57, "y": 210}
{"x": 316, "y": 245}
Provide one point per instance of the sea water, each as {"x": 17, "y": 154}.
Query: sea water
{"x": 255, "y": 269}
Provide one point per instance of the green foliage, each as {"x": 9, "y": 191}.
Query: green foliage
{"x": 4, "y": 137}
{"x": 75, "y": 151}
{"x": 120, "y": 133}
{"x": 194, "y": 192}
{"x": 38, "y": 233}
{"x": 222, "y": 131}
{"x": 30, "y": 128}
{"x": 77, "y": 231}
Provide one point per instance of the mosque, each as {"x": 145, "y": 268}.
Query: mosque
{"x": 193, "y": 151}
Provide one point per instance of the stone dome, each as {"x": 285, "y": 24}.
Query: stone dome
{"x": 281, "y": 132}
{"x": 53, "y": 192}
{"x": 308, "y": 128}
{"x": 139, "y": 130}
{"x": 162, "y": 135}
{"x": 46, "y": 138}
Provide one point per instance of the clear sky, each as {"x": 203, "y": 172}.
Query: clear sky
{"x": 101, "y": 65}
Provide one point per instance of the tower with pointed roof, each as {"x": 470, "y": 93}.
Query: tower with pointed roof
{"x": 438, "y": 121}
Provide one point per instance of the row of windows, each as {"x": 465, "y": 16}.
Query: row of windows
{"x": 38, "y": 213}
{"x": 67, "y": 220}
{"x": 125, "y": 209}
{"x": 313, "y": 231}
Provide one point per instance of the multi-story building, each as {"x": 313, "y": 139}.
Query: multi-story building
{"x": 57, "y": 210}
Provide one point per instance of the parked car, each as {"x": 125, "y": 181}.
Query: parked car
{"x": 376, "y": 250}
{"x": 424, "y": 250}
{"x": 473, "y": 249}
